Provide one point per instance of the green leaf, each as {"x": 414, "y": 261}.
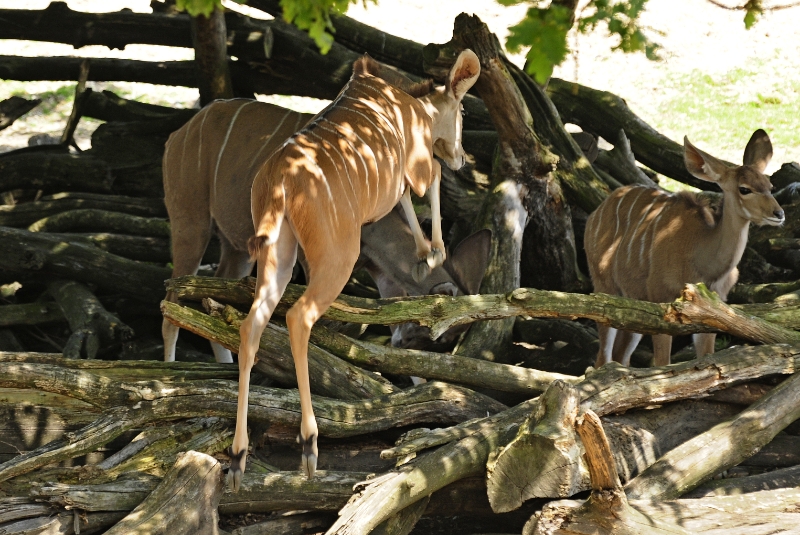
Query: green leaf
{"x": 314, "y": 16}
{"x": 198, "y": 7}
{"x": 545, "y": 32}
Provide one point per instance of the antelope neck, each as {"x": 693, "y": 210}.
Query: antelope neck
{"x": 720, "y": 249}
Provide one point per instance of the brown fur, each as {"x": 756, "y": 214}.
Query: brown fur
{"x": 369, "y": 66}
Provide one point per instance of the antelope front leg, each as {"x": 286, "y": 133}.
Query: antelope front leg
{"x": 437, "y": 254}
{"x": 422, "y": 268}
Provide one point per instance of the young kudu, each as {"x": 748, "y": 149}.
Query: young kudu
{"x": 647, "y": 244}
{"x": 349, "y": 166}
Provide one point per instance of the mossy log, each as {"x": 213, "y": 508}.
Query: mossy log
{"x": 761, "y": 293}
{"x": 722, "y": 447}
{"x": 22, "y": 215}
{"x": 30, "y": 314}
{"x": 473, "y": 373}
{"x": 697, "y": 311}
{"x": 543, "y": 460}
{"x": 607, "y": 510}
{"x": 129, "y": 405}
{"x": 40, "y": 253}
{"x": 786, "y": 175}
{"x": 93, "y": 327}
{"x": 607, "y": 390}
{"x": 620, "y": 163}
{"x": 185, "y": 502}
{"x": 775, "y": 479}
{"x": 94, "y": 220}
{"x": 330, "y": 376}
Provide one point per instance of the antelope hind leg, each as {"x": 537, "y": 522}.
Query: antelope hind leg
{"x": 329, "y": 271}
{"x": 275, "y": 263}
{"x": 437, "y": 255}
{"x": 606, "y": 334}
{"x": 704, "y": 343}
{"x": 233, "y": 264}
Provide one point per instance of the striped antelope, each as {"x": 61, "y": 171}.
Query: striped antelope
{"x": 645, "y": 244}
{"x": 349, "y": 166}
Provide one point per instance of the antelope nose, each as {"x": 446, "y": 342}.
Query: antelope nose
{"x": 779, "y": 214}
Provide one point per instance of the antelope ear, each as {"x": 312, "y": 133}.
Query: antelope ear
{"x": 467, "y": 264}
{"x": 702, "y": 165}
{"x": 758, "y": 151}
{"x": 464, "y": 74}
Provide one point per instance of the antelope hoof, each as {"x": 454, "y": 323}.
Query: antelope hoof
{"x": 233, "y": 479}
{"x": 310, "y": 452}
{"x": 421, "y": 270}
{"x": 435, "y": 258}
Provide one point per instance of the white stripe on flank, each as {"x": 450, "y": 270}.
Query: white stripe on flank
{"x": 227, "y": 135}
{"x": 379, "y": 130}
{"x": 373, "y": 105}
{"x": 200, "y": 139}
{"x": 361, "y": 156}
{"x": 379, "y": 92}
{"x": 269, "y": 138}
{"x": 633, "y": 235}
{"x": 628, "y": 219}
{"x": 344, "y": 163}
{"x": 293, "y": 141}
{"x": 664, "y": 208}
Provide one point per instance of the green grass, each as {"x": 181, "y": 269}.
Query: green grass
{"x": 721, "y": 111}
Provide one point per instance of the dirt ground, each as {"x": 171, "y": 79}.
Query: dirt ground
{"x": 713, "y": 79}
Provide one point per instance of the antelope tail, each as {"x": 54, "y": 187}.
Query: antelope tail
{"x": 268, "y": 213}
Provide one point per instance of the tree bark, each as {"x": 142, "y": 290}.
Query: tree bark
{"x": 22, "y": 215}
{"x": 184, "y": 503}
{"x": 30, "y": 314}
{"x": 776, "y": 479}
{"x": 94, "y": 220}
{"x": 13, "y": 108}
{"x": 209, "y": 37}
{"x": 620, "y": 163}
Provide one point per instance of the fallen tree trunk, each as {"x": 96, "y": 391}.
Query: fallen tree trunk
{"x": 776, "y": 479}
{"x": 92, "y": 326}
{"x": 22, "y": 215}
{"x": 697, "y": 311}
{"x": 184, "y": 503}
{"x": 13, "y": 108}
{"x": 39, "y": 252}
{"x": 94, "y": 220}
{"x": 722, "y": 447}
{"x": 30, "y": 314}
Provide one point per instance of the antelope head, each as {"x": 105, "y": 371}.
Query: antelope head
{"x": 444, "y": 106}
{"x": 747, "y": 190}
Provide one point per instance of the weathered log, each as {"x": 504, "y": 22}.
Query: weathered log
{"x": 133, "y": 405}
{"x": 696, "y": 311}
{"x": 107, "y": 106}
{"x": 605, "y": 114}
{"x": 38, "y": 252}
{"x": 620, "y": 162}
{"x": 607, "y": 510}
{"x": 54, "y": 172}
{"x": 786, "y": 175}
{"x": 92, "y": 326}
{"x": 605, "y": 391}
{"x": 94, "y": 220}
{"x": 209, "y": 36}
{"x": 543, "y": 460}
{"x": 761, "y": 513}
{"x": 13, "y": 108}
{"x": 30, "y": 314}
{"x": 9, "y": 342}
{"x": 22, "y": 215}
{"x": 291, "y": 524}
{"x": 184, "y": 503}
{"x": 776, "y": 479}
{"x": 761, "y": 293}
{"x": 721, "y": 447}
{"x": 330, "y": 376}
{"x": 429, "y": 365}
{"x": 63, "y": 523}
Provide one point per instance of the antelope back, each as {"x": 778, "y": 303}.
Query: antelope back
{"x": 212, "y": 159}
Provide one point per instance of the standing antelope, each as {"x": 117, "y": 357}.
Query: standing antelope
{"x": 646, "y": 244}
{"x": 349, "y": 166}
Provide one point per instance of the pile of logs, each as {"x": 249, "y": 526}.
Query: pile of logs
{"x": 99, "y": 437}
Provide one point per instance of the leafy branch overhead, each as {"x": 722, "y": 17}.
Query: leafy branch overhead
{"x": 545, "y": 29}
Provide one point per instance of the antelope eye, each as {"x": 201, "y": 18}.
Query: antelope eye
{"x": 744, "y": 191}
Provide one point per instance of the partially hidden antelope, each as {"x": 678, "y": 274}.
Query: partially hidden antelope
{"x": 646, "y": 244}
{"x": 349, "y": 166}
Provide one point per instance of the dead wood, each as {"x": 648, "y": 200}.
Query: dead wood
{"x": 786, "y": 175}
{"x": 543, "y": 460}
{"x": 696, "y": 311}
{"x": 209, "y": 37}
{"x": 38, "y": 252}
{"x": 68, "y": 523}
{"x": 290, "y": 524}
{"x": 723, "y": 446}
{"x": 330, "y": 376}
{"x": 620, "y": 163}
{"x": 130, "y": 405}
{"x": 13, "y": 108}
{"x": 429, "y": 365}
{"x": 776, "y": 479}
{"x": 22, "y": 215}
{"x": 93, "y": 327}
{"x": 761, "y": 293}
{"x": 466, "y": 449}
{"x": 107, "y": 106}
{"x": 184, "y": 503}
{"x": 30, "y": 314}
{"x": 94, "y": 220}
